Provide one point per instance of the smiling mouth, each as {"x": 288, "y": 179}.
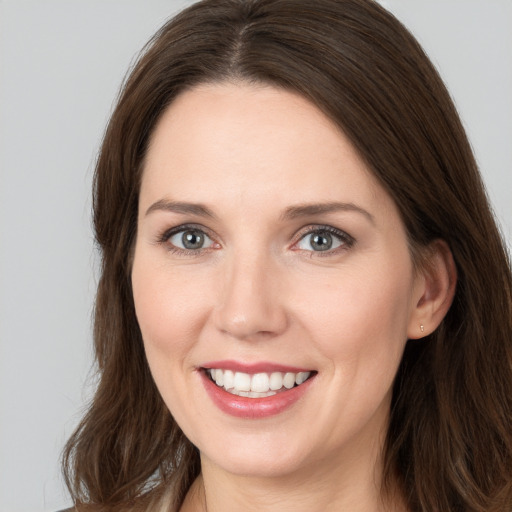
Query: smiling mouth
{"x": 258, "y": 385}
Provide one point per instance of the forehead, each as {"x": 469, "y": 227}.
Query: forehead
{"x": 252, "y": 142}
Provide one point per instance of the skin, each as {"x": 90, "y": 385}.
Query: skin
{"x": 258, "y": 291}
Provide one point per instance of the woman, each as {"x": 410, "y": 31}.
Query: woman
{"x": 295, "y": 309}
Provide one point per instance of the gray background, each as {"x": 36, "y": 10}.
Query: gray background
{"x": 61, "y": 64}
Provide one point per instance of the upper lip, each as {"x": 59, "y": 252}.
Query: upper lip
{"x": 252, "y": 368}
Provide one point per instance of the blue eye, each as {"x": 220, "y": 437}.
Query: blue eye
{"x": 322, "y": 240}
{"x": 190, "y": 239}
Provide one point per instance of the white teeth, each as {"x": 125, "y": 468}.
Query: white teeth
{"x": 289, "y": 380}
{"x": 258, "y": 385}
{"x": 260, "y": 382}
{"x": 276, "y": 381}
{"x": 219, "y": 378}
{"x": 229, "y": 379}
{"x": 301, "y": 377}
{"x": 242, "y": 381}
{"x": 253, "y": 394}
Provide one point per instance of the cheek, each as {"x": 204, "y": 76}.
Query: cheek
{"x": 361, "y": 313}
{"x": 359, "y": 324}
{"x": 169, "y": 309}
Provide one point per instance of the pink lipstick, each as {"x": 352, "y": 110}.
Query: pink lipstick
{"x": 254, "y": 390}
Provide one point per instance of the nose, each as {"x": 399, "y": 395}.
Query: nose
{"x": 251, "y": 299}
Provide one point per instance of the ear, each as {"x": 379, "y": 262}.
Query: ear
{"x": 433, "y": 291}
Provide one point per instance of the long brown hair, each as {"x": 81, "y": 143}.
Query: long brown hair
{"x": 449, "y": 443}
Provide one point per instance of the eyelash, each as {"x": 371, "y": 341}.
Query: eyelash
{"x": 346, "y": 240}
{"x": 164, "y": 238}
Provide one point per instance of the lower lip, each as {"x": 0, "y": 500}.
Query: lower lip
{"x": 253, "y": 408}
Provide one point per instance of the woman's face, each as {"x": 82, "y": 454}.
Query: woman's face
{"x": 267, "y": 254}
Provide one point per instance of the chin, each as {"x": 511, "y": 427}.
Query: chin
{"x": 258, "y": 457}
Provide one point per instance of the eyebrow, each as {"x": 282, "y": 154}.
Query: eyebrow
{"x": 181, "y": 207}
{"x": 291, "y": 213}
{"x": 310, "y": 209}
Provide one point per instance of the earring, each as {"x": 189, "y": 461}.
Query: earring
{"x": 422, "y": 328}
